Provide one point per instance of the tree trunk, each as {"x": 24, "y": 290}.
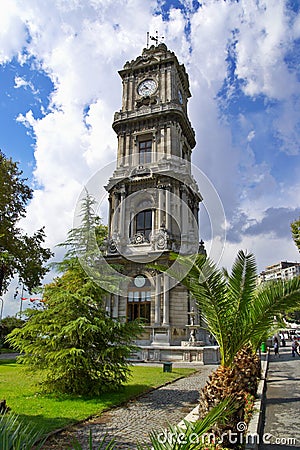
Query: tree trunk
{"x": 2, "y": 275}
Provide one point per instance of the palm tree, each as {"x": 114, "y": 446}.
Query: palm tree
{"x": 238, "y": 313}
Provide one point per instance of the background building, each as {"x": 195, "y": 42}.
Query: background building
{"x": 283, "y": 270}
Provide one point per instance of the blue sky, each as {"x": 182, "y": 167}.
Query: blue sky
{"x": 60, "y": 89}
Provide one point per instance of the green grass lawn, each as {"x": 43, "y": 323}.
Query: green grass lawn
{"x": 50, "y": 412}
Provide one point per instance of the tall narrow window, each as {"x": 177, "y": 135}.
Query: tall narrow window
{"x": 139, "y": 299}
{"x": 145, "y": 148}
{"x": 143, "y": 223}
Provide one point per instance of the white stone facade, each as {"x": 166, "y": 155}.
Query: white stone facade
{"x": 153, "y": 198}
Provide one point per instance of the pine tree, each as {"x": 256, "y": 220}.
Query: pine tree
{"x": 78, "y": 348}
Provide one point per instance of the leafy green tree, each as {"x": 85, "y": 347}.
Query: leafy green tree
{"x": 7, "y": 325}
{"x": 19, "y": 253}
{"x": 295, "y": 227}
{"x": 79, "y": 349}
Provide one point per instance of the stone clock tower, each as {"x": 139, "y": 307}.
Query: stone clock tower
{"x": 153, "y": 197}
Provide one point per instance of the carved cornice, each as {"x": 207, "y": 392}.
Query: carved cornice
{"x": 157, "y": 114}
{"x": 152, "y": 59}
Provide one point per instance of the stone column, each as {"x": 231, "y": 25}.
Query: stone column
{"x": 123, "y": 152}
{"x": 108, "y": 306}
{"x": 122, "y": 212}
{"x": 160, "y": 204}
{"x": 169, "y": 86}
{"x": 184, "y": 213}
{"x": 127, "y": 149}
{"x": 115, "y": 215}
{"x": 130, "y": 93}
{"x": 157, "y": 300}
{"x": 115, "y": 310}
{"x": 131, "y": 229}
{"x": 153, "y": 222}
{"x": 166, "y": 305}
{"x": 135, "y": 152}
{"x": 110, "y": 225}
{"x": 168, "y": 209}
{"x": 168, "y": 143}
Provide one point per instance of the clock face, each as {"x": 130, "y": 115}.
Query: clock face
{"x": 139, "y": 281}
{"x": 147, "y": 87}
{"x": 180, "y": 97}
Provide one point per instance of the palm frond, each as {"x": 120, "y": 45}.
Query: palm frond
{"x": 271, "y": 300}
{"x": 236, "y": 311}
{"x": 242, "y": 281}
{"x": 241, "y": 288}
{"x": 207, "y": 285}
{"x": 193, "y": 434}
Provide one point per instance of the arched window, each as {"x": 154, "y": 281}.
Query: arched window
{"x": 139, "y": 299}
{"x": 143, "y": 223}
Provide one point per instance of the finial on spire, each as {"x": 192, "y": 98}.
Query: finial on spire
{"x": 158, "y": 39}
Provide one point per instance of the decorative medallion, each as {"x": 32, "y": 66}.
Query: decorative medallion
{"x": 138, "y": 239}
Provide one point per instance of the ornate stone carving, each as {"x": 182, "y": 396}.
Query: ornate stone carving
{"x": 112, "y": 246}
{"x": 138, "y": 239}
{"x": 140, "y": 172}
{"x": 159, "y": 240}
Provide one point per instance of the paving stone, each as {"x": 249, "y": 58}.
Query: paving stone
{"x": 131, "y": 423}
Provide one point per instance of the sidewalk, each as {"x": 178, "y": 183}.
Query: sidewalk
{"x": 281, "y": 427}
{"x": 132, "y": 422}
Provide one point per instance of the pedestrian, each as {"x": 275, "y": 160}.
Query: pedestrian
{"x": 295, "y": 345}
{"x": 276, "y": 346}
{"x": 282, "y": 339}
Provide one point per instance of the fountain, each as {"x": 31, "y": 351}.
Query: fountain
{"x": 193, "y": 327}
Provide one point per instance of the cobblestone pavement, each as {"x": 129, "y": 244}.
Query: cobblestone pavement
{"x": 131, "y": 423}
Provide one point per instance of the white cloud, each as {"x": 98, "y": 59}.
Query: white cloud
{"x": 81, "y": 47}
{"x": 270, "y": 250}
{"x": 12, "y": 31}
{"x": 23, "y": 83}
{"x": 251, "y": 136}
{"x": 263, "y": 39}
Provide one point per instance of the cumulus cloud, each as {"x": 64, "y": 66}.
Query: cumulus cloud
{"x": 244, "y": 79}
{"x": 274, "y": 223}
{"x": 12, "y": 31}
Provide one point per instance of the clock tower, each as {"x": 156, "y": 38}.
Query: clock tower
{"x": 153, "y": 197}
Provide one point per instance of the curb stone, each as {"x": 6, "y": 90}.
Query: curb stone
{"x": 255, "y": 424}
